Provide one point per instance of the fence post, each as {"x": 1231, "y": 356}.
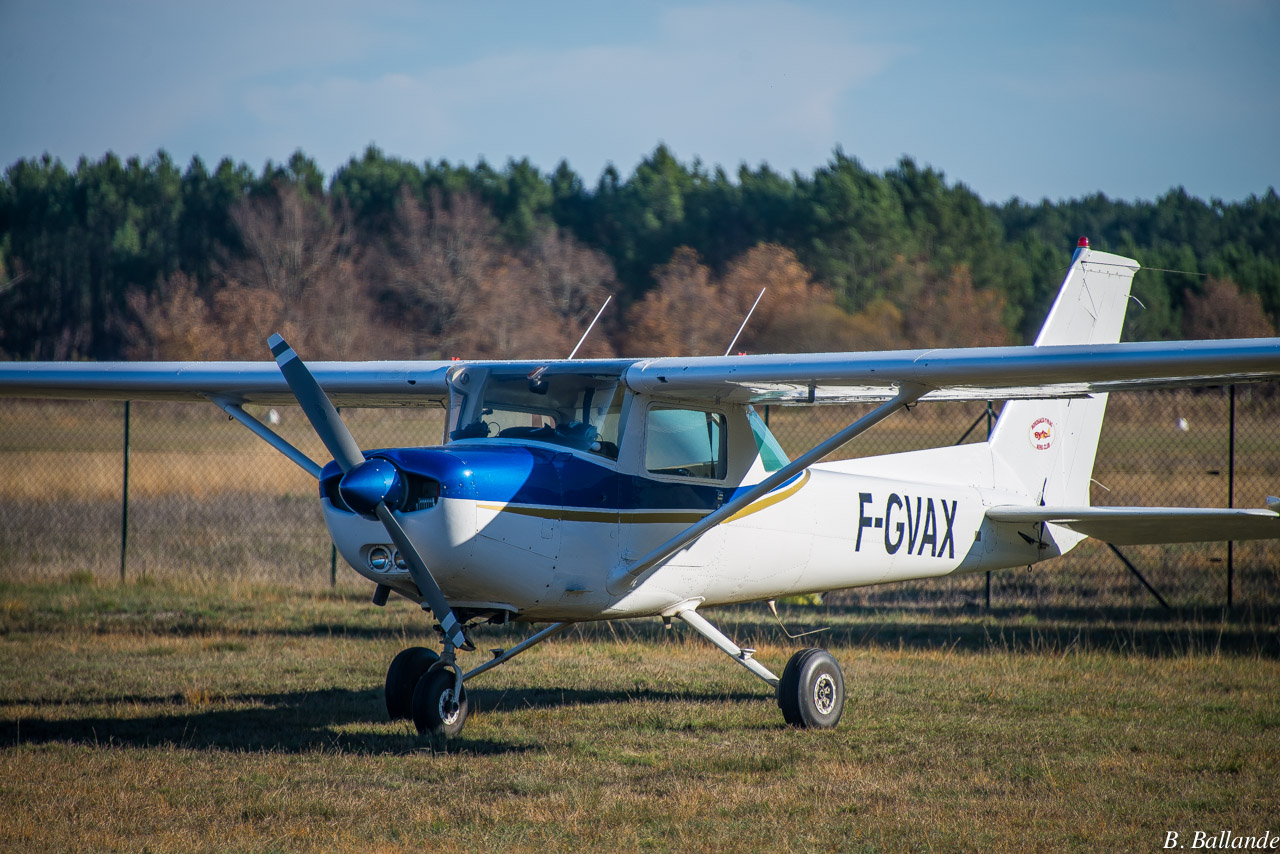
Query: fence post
{"x": 124, "y": 497}
{"x": 990, "y": 419}
{"x": 1231, "y": 482}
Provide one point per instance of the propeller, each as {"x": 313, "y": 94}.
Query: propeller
{"x": 370, "y": 487}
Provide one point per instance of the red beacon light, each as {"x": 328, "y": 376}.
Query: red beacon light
{"x": 1082, "y": 243}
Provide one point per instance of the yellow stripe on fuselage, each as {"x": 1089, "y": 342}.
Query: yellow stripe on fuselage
{"x": 770, "y": 500}
{"x": 641, "y": 517}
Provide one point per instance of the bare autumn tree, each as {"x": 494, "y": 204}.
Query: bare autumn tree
{"x": 940, "y": 310}
{"x": 298, "y": 272}
{"x": 823, "y": 327}
{"x": 769, "y": 266}
{"x": 795, "y": 314}
{"x": 685, "y": 315}
{"x": 1222, "y": 311}
{"x": 452, "y": 287}
{"x": 177, "y": 322}
{"x": 296, "y": 277}
{"x": 291, "y": 241}
{"x": 173, "y": 322}
{"x": 573, "y": 282}
{"x": 431, "y": 271}
{"x": 511, "y": 320}
{"x": 692, "y": 313}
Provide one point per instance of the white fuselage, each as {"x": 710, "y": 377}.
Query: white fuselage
{"x": 835, "y": 526}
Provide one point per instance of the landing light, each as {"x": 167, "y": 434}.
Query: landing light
{"x": 379, "y": 558}
{"x": 400, "y": 562}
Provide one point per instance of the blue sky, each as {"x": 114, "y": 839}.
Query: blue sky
{"x": 1028, "y": 99}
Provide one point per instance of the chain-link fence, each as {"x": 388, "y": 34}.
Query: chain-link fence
{"x": 207, "y": 499}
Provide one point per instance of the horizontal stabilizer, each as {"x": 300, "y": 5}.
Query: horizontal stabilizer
{"x": 1131, "y": 526}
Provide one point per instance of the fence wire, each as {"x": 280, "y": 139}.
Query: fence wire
{"x": 209, "y": 501}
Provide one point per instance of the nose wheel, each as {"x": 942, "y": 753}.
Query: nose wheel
{"x": 439, "y": 704}
{"x": 423, "y": 689}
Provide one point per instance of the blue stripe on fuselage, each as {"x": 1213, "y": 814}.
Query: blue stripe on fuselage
{"x": 529, "y": 474}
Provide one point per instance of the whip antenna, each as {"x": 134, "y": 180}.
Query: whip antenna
{"x": 592, "y": 326}
{"x": 773, "y": 606}
{"x": 744, "y": 321}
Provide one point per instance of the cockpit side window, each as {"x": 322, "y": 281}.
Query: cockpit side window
{"x": 686, "y": 443}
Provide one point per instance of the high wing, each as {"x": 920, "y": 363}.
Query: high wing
{"x": 983, "y": 373}
{"x": 402, "y": 383}
{"x": 347, "y": 383}
{"x": 1132, "y": 526}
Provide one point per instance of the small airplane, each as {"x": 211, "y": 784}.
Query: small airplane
{"x": 577, "y": 490}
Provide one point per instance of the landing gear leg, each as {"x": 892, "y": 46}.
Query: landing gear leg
{"x": 811, "y": 690}
{"x": 737, "y": 653}
{"x": 439, "y": 699}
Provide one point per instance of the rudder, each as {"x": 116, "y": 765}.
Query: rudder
{"x": 1047, "y": 447}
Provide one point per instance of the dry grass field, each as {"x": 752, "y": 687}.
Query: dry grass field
{"x": 227, "y": 699}
{"x": 187, "y": 717}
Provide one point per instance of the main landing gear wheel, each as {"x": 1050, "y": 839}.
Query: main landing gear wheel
{"x": 811, "y": 691}
{"x": 402, "y": 677}
{"x": 434, "y": 708}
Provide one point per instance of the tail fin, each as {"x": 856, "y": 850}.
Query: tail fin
{"x": 1047, "y": 447}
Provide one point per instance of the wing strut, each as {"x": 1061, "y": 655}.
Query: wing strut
{"x": 271, "y": 437}
{"x": 624, "y": 577}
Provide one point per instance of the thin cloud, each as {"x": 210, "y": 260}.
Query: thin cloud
{"x": 755, "y": 84}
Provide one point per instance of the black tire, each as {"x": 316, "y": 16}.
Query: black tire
{"x": 811, "y": 691}
{"x": 433, "y": 710}
{"x": 402, "y": 677}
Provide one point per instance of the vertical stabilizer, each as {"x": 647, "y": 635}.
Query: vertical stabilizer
{"x": 1047, "y": 447}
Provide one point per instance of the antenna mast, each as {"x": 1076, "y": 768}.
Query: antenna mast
{"x": 592, "y": 326}
{"x": 750, "y": 312}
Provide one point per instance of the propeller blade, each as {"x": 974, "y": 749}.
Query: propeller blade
{"x": 422, "y": 576}
{"x": 338, "y": 439}
{"x": 316, "y": 406}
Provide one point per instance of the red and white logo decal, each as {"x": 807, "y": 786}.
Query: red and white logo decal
{"x": 1042, "y": 434}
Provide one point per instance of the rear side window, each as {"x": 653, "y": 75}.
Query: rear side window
{"x": 685, "y": 443}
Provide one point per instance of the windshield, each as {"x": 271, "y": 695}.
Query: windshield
{"x": 772, "y": 457}
{"x": 582, "y": 412}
